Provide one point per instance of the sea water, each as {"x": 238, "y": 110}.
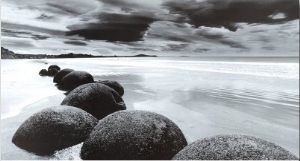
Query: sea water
{"x": 204, "y": 96}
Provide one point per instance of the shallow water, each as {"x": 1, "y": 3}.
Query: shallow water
{"x": 204, "y": 97}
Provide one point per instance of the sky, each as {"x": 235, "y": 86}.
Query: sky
{"x": 159, "y": 27}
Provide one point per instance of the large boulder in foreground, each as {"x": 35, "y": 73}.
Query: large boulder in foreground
{"x": 233, "y": 147}
{"x": 114, "y": 85}
{"x": 53, "y": 129}
{"x": 59, "y": 76}
{"x": 133, "y": 135}
{"x": 95, "y": 98}
{"x": 75, "y": 79}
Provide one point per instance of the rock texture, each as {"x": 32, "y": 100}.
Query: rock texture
{"x": 52, "y": 72}
{"x": 233, "y": 147}
{"x": 133, "y": 135}
{"x": 7, "y": 54}
{"x": 75, "y": 79}
{"x": 54, "y": 67}
{"x": 114, "y": 85}
{"x": 53, "y": 129}
{"x": 61, "y": 74}
{"x": 95, "y": 98}
{"x": 43, "y": 72}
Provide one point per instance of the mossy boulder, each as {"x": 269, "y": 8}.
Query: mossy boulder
{"x": 59, "y": 76}
{"x": 133, "y": 135}
{"x": 53, "y": 129}
{"x": 233, "y": 147}
{"x": 43, "y": 72}
{"x": 54, "y": 67}
{"x": 95, "y": 98}
{"x": 114, "y": 85}
{"x": 75, "y": 79}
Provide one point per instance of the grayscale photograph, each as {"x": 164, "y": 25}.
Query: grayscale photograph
{"x": 150, "y": 79}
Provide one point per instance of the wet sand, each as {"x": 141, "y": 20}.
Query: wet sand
{"x": 202, "y": 104}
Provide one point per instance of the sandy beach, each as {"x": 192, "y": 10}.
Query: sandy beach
{"x": 204, "y": 98}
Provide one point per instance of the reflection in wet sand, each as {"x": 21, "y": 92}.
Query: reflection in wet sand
{"x": 204, "y": 98}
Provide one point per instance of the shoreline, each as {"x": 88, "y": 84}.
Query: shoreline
{"x": 209, "y": 99}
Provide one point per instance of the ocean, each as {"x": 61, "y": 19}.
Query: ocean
{"x": 204, "y": 96}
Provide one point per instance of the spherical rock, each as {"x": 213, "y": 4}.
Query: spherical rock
{"x": 114, "y": 85}
{"x": 59, "y": 76}
{"x": 133, "y": 135}
{"x": 75, "y": 79}
{"x": 53, "y": 129}
{"x": 233, "y": 147}
{"x": 43, "y": 72}
{"x": 95, "y": 98}
{"x": 54, "y": 67}
{"x": 52, "y": 72}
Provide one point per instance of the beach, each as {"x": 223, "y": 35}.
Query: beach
{"x": 203, "y": 97}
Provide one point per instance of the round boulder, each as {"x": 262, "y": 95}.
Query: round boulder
{"x": 233, "y": 147}
{"x": 75, "y": 79}
{"x": 59, "y": 76}
{"x": 52, "y": 72}
{"x": 43, "y": 72}
{"x": 54, "y": 67}
{"x": 95, "y": 98}
{"x": 53, "y": 129}
{"x": 133, "y": 135}
{"x": 114, "y": 85}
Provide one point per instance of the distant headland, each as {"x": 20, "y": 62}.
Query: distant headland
{"x": 7, "y": 54}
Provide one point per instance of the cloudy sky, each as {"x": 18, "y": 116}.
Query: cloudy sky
{"x": 160, "y": 27}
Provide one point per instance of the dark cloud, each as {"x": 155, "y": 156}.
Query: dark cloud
{"x": 268, "y": 47}
{"x": 170, "y": 37}
{"x": 29, "y": 28}
{"x": 175, "y": 47}
{"x": 264, "y": 39}
{"x": 219, "y": 38}
{"x": 64, "y": 9}
{"x": 201, "y": 50}
{"x": 142, "y": 49}
{"x": 78, "y": 43}
{"x": 114, "y": 27}
{"x": 17, "y": 44}
{"x": 178, "y": 38}
{"x": 233, "y": 44}
{"x": 226, "y": 13}
{"x": 257, "y": 31}
{"x": 121, "y": 4}
{"x": 22, "y": 34}
{"x": 126, "y": 9}
{"x": 44, "y": 17}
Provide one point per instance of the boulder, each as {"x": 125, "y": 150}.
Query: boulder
{"x": 54, "y": 67}
{"x": 95, "y": 98}
{"x": 53, "y": 129}
{"x": 75, "y": 79}
{"x": 133, "y": 135}
{"x": 52, "y": 72}
{"x": 59, "y": 76}
{"x": 233, "y": 147}
{"x": 43, "y": 72}
{"x": 114, "y": 85}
